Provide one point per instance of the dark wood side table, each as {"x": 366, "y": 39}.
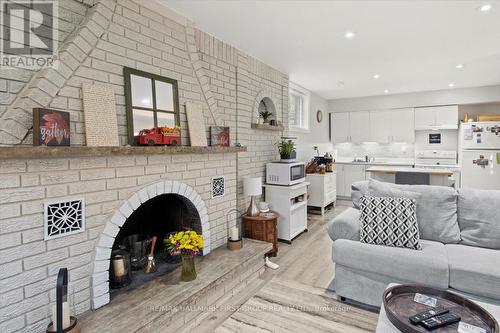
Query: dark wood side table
{"x": 263, "y": 227}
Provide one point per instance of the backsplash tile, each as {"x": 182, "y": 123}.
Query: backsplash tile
{"x": 390, "y": 150}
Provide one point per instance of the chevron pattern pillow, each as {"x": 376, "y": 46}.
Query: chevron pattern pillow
{"x": 389, "y": 221}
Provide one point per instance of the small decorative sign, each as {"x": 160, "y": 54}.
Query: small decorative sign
{"x": 99, "y": 106}
{"x": 219, "y": 136}
{"x": 196, "y": 125}
{"x": 51, "y": 127}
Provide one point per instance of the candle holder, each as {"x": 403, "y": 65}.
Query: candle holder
{"x": 62, "y": 321}
{"x": 120, "y": 270}
{"x": 234, "y": 233}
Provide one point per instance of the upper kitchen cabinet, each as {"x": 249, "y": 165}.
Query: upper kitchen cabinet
{"x": 392, "y": 126}
{"x": 436, "y": 117}
{"x": 359, "y": 126}
{"x": 380, "y": 129}
{"x": 340, "y": 127}
{"x": 403, "y": 125}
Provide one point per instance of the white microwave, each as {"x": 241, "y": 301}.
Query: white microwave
{"x": 283, "y": 173}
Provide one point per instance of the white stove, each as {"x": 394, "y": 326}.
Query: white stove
{"x": 446, "y": 159}
{"x": 440, "y": 159}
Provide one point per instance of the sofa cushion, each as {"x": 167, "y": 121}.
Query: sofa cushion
{"x": 429, "y": 266}
{"x": 389, "y": 221}
{"x": 474, "y": 270}
{"x": 358, "y": 189}
{"x": 478, "y": 217}
{"x": 436, "y": 209}
{"x": 345, "y": 225}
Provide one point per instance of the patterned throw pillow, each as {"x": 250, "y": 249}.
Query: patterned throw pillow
{"x": 389, "y": 221}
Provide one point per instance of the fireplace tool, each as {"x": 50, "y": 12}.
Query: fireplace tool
{"x": 138, "y": 251}
{"x": 151, "y": 264}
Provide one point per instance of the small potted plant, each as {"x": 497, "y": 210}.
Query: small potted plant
{"x": 265, "y": 116}
{"x": 188, "y": 244}
{"x": 286, "y": 148}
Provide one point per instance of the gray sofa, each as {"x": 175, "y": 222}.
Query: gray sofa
{"x": 459, "y": 234}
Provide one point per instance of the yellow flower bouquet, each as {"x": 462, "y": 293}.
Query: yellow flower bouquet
{"x": 184, "y": 242}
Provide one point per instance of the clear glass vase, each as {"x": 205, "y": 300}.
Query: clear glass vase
{"x": 188, "y": 268}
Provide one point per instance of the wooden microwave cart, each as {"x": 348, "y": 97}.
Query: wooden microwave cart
{"x": 262, "y": 227}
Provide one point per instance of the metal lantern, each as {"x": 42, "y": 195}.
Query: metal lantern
{"x": 234, "y": 233}
{"x": 62, "y": 321}
{"x": 120, "y": 270}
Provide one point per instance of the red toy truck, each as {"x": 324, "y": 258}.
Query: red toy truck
{"x": 159, "y": 136}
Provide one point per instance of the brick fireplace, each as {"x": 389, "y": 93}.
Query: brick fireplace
{"x": 107, "y": 240}
{"x": 114, "y": 184}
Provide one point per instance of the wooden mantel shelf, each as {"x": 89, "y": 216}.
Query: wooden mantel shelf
{"x": 26, "y": 152}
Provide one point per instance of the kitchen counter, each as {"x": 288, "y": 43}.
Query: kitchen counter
{"x": 393, "y": 170}
{"x": 402, "y": 162}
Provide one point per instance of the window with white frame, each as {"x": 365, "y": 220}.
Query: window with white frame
{"x": 299, "y": 108}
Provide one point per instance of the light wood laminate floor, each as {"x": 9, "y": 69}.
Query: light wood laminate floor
{"x": 294, "y": 298}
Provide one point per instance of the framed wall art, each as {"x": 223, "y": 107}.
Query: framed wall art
{"x": 219, "y": 136}
{"x": 51, "y": 127}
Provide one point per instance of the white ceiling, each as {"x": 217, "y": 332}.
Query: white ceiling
{"x": 412, "y": 45}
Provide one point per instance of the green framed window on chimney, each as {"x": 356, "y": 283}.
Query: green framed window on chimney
{"x": 151, "y": 101}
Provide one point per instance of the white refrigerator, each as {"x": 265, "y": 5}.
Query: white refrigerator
{"x": 479, "y": 155}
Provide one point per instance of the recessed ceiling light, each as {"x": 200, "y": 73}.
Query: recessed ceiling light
{"x": 451, "y": 85}
{"x": 386, "y": 91}
{"x": 349, "y": 35}
{"x": 459, "y": 66}
{"x": 485, "y": 7}
{"x": 376, "y": 76}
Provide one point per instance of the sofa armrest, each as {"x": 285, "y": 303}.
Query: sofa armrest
{"x": 345, "y": 225}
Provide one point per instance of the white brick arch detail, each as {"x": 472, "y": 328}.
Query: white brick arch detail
{"x": 100, "y": 283}
{"x": 268, "y": 94}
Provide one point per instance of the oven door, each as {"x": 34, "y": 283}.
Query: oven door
{"x": 297, "y": 173}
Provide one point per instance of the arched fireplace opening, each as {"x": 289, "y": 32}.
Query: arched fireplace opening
{"x": 142, "y": 234}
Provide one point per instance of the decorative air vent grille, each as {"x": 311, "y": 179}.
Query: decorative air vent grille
{"x": 64, "y": 218}
{"x": 218, "y": 187}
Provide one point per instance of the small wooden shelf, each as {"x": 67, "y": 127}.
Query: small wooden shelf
{"x": 268, "y": 127}
{"x": 25, "y": 152}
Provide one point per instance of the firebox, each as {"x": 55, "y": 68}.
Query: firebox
{"x": 141, "y": 238}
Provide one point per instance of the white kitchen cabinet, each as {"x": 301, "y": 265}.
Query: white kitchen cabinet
{"x": 340, "y": 127}
{"x": 392, "y": 126}
{"x": 359, "y": 126}
{"x": 322, "y": 190}
{"x": 346, "y": 175}
{"x": 442, "y": 117}
{"x": 352, "y": 173}
{"x": 379, "y": 130}
{"x": 340, "y": 179}
{"x": 403, "y": 125}
{"x": 447, "y": 116}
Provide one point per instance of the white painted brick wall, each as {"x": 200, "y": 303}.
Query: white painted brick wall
{"x": 209, "y": 71}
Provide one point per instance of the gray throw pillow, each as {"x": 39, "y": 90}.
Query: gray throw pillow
{"x": 358, "y": 189}
{"x": 436, "y": 209}
{"x": 478, "y": 217}
{"x": 389, "y": 221}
